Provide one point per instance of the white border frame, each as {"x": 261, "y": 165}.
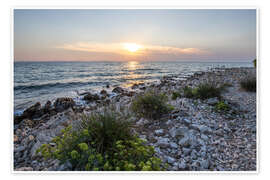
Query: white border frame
{"x": 136, "y": 7}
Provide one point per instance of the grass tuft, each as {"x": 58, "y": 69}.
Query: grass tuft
{"x": 151, "y": 105}
{"x": 249, "y": 84}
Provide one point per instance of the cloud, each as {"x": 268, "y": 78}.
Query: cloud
{"x": 144, "y": 52}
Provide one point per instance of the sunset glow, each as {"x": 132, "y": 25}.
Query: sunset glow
{"x": 132, "y": 47}
{"x": 135, "y": 35}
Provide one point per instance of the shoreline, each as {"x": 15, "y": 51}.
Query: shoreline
{"x": 211, "y": 129}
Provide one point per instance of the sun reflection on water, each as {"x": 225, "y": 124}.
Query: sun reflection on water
{"x": 132, "y": 76}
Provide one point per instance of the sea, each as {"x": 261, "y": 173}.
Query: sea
{"x": 43, "y": 81}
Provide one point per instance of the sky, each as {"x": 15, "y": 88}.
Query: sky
{"x": 140, "y": 35}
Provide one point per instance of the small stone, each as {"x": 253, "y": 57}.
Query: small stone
{"x": 173, "y": 145}
{"x": 34, "y": 148}
{"x": 204, "y": 164}
{"x": 212, "y": 101}
{"x": 31, "y": 137}
{"x": 204, "y": 137}
{"x": 186, "y": 121}
{"x": 186, "y": 151}
{"x": 142, "y": 122}
{"x": 184, "y": 142}
{"x": 170, "y": 160}
{"x": 168, "y": 122}
{"x": 182, "y": 166}
{"x": 163, "y": 142}
{"x": 159, "y": 132}
{"x": 19, "y": 149}
{"x": 178, "y": 132}
{"x": 15, "y": 138}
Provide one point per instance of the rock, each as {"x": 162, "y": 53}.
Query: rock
{"x": 193, "y": 154}
{"x": 31, "y": 112}
{"x": 186, "y": 151}
{"x": 134, "y": 86}
{"x": 184, "y": 142}
{"x": 186, "y": 121}
{"x": 202, "y": 128}
{"x": 24, "y": 169}
{"x": 15, "y": 138}
{"x": 168, "y": 122}
{"x": 142, "y": 122}
{"x": 212, "y": 101}
{"x": 129, "y": 93}
{"x": 34, "y": 149}
{"x": 178, "y": 132}
{"x": 65, "y": 167}
{"x": 91, "y": 97}
{"x": 173, "y": 145}
{"x": 29, "y": 123}
{"x": 170, "y": 160}
{"x": 63, "y": 103}
{"x": 159, "y": 132}
{"x": 163, "y": 142}
{"x": 19, "y": 149}
{"x": 31, "y": 137}
{"x": 103, "y": 92}
{"x": 47, "y": 107}
{"x": 182, "y": 165}
{"x": 204, "y": 164}
{"x": 118, "y": 90}
{"x": 204, "y": 137}
{"x": 43, "y": 137}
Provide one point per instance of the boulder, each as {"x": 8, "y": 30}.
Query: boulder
{"x": 47, "y": 107}
{"x": 118, "y": 90}
{"x": 31, "y": 112}
{"x": 91, "y": 97}
{"x": 63, "y": 103}
{"x": 103, "y": 92}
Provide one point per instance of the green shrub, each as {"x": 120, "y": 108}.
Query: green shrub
{"x": 151, "y": 105}
{"x": 249, "y": 84}
{"x": 222, "y": 106}
{"x": 175, "y": 95}
{"x": 203, "y": 91}
{"x": 188, "y": 92}
{"x": 254, "y": 63}
{"x": 107, "y": 128}
{"x": 83, "y": 149}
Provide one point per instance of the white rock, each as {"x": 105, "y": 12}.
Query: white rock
{"x": 182, "y": 165}
{"x": 204, "y": 164}
{"x": 184, "y": 142}
{"x": 34, "y": 148}
{"x": 212, "y": 101}
{"x": 142, "y": 122}
{"x": 173, "y": 145}
{"x": 159, "y": 132}
{"x": 163, "y": 142}
{"x": 170, "y": 160}
{"x": 178, "y": 132}
{"x": 204, "y": 137}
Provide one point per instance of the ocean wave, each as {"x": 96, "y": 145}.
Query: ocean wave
{"x": 55, "y": 85}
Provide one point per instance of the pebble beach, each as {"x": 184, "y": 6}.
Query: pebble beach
{"x": 193, "y": 137}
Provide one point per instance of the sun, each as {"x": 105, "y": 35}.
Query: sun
{"x": 132, "y": 47}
